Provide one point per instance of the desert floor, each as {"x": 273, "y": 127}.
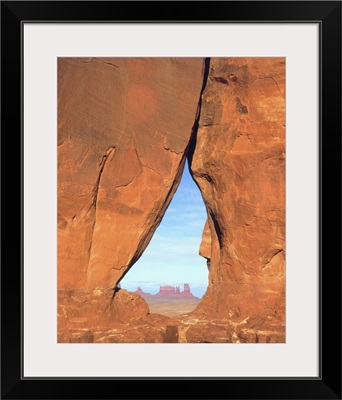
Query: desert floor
{"x": 171, "y": 307}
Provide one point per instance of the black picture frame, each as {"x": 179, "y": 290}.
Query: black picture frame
{"x": 328, "y": 15}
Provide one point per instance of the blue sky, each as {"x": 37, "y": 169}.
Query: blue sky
{"x": 172, "y": 256}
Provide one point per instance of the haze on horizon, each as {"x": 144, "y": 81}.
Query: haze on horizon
{"x": 172, "y": 257}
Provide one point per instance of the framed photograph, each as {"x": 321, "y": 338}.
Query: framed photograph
{"x": 171, "y": 199}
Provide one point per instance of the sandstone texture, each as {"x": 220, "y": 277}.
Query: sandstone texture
{"x": 92, "y": 317}
{"x": 205, "y": 246}
{"x": 239, "y": 165}
{"x": 125, "y": 128}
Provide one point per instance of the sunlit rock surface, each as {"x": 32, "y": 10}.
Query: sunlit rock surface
{"x": 125, "y": 127}
{"x": 239, "y": 165}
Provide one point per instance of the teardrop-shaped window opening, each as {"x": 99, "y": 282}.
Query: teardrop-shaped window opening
{"x": 171, "y": 275}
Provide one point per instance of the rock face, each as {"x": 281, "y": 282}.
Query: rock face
{"x": 85, "y": 317}
{"x": 186, "y": 288}
{"x": 205, "y": 246}
{"x": 239, "y": 165}
{"x": 124, "y": 126}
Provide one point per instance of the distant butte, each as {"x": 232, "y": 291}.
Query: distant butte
{"x": 141, "y": 293}
{"x": 169, "y": 291}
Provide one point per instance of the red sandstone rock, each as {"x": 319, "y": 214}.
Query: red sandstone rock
{"x": 205, "y": 246}
{"x": 127, "y": 307}
{"x": 239, "y": 165}
{"x": 166, "y": 291}
{"x": 124, "y": 125}
{"x": 86, "y": 316}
